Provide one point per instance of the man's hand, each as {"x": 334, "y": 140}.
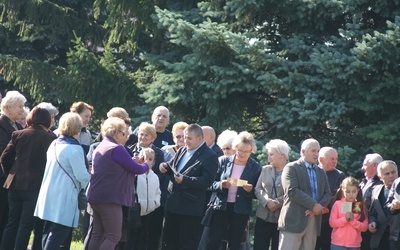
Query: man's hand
{"x": 309, "y": 213}
{"x": 178, "y": 178}
{"x": 372, "y": 227}
{"x": 163, "y": 167}
{"x": 318, "y": 209}
{"x": 395, "y": 204}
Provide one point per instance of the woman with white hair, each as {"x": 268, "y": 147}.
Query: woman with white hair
{"x": 269, "y": 192}
{"x": 225, "y": 140}
{"x": 52, "y": 110}
{"x": 12, "y": 108}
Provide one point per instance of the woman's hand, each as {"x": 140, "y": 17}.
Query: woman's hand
{"x": 225, "y": 184}
{"x": 248, "y": 187}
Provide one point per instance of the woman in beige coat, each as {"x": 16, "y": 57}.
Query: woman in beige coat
{"x": 269, "y": 193}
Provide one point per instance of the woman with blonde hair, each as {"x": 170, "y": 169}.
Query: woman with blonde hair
{"x": 112, "y": 184}
{"x": 64, "y": 177}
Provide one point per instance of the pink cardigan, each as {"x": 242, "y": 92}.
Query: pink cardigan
{"x": 347, "y": 234}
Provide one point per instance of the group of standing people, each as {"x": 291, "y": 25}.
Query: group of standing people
{"x": 194, "y": 190}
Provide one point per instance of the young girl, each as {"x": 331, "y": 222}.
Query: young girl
{"x": 347, "y": 226}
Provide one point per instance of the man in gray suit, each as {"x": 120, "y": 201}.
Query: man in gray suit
{"x": 306, "y": 196}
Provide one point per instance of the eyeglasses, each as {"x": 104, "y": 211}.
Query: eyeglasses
{"x": 227, "y": 148}
{"x": 243, "y": 152}
{"x": 179, "y": 137}
{"x": 123, "y": 133}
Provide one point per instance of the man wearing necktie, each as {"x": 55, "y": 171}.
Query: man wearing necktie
{"x": 307, "y": 194}
{"x": 378, "y": 217}
{"x": 192, "y": 170}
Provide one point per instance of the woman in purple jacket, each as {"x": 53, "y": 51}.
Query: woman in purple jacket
{"x": 112, "y": 184}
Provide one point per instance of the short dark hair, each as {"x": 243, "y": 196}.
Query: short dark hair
{"x": 195, "y": 129}
{"x": 39, "y": 116}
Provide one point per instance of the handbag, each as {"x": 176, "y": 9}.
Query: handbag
{"x": 82, "y": 199}
{"x": 134, "y": 220}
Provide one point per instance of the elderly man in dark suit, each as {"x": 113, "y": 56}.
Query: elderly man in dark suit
{"x": 306, "y": 196}
{"x": 192, "y": 170}
{"x": 378, "y": 217}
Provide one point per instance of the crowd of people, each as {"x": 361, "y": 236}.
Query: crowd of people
{"x": 188, "y": 189}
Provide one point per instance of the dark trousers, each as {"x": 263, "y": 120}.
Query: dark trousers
{"x": 37, "y": 234}
{"x": 366, "y": 238}
{"x": 138, "y": 238}
{"x": 54, "y": 235}
{"x": 324, "y": 240}
{"x": 181, "y": 232}
{"x": 156, "y": 224}
{"x": 394, "y": 245}
{"x": 3, "y": 207}
{"x": 20, "y": 219}
{"x": 264, "y": 233}
{"x": 385, "y": 242}
{"x": 221, "y": 222}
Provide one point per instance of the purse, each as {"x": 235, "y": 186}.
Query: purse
{"x": 134, "y": 220}
{"x": 82, "y": 199}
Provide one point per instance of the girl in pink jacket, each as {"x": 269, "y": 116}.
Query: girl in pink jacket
{"x": 348, "y": 217}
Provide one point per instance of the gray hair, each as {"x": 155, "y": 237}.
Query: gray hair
{"x": 324, "y": 150}
{"x": 373, "y": 158}
{"x": 11, "y": 98}
{"x": 226, "y": 138}
{"x": 280, "y": 146}
{"x": 308, "y": 142}
{"x": 47, "y": 105}
{"x": 385, "y": 164}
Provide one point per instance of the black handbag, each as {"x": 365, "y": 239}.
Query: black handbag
{"x": 82, "y": 199}
{"x": 134, "y": 220}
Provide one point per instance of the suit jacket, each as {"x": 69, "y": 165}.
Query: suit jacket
{"x": 378, "y": 214}
{"x": 264, "y": 190}
{"x": 243, "y": 202}
{"x": 298, "y": 196}
{"x": 27, "y": 150}
{"x": 395, "y": 214}
{"x": 217, "y": 150}
{"x": 367, "y": 189}
{"x": 188, "y": 197}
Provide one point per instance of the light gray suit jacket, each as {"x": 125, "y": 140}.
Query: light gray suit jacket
{"x": 298, "y": 196}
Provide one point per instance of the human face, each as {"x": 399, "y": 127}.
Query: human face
{"x": 369, "y": 168}
{"x": 329, "y": 161}
{"x": 160, "y": 119}
{"x": 243, "y": 153}
{"x": 388, "y": 175}
{"x": 22, "y": 119}
{"x": 350, "y": 193}
{"x": 122, "y": 136}
{"x": 310, "y": 154}
{"x": 85, "y": 115}
{"x": 228, "y": 150}
{"x": 16, "y": 111}
{"x": 192, "y": 141}
{"x": 145, "y": 139}
{"x": 179, "y": 138}
{"x": 275, "y": 159}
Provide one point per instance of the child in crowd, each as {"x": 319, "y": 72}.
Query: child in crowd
{"x": 348, "y": 217}
{"x": 148, "y": 195}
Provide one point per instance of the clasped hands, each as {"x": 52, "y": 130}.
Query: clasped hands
{"x": 317, "y": 210}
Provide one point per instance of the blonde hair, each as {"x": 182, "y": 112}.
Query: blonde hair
{"x": 179, "y": 125}
{"x": 148, "y": 128}
{"x": 149, "y": 153}
{"x": 11, "y": 98}
{"x": 112, "y": 125}
{"x": 244, "y": 137}
{"x": 70, "y": 124}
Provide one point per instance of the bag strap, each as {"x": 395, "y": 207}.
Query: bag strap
{"x": 55, "y": 153}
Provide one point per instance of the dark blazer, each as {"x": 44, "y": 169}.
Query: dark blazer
{"x": 27, "y": 150}
{"x": 395, "y": 214}
{"x": 243, "y": 203}
{"x": 6, "y": 130}
{"x": 217, "y": 150}
{"x": 298, "y": 196}
{"x": 367, "y": 189}
{"x": 378, "y": 214}
{"x": 188, "y": 198}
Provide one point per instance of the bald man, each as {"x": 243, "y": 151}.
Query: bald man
{"x": 209, "y": 138}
